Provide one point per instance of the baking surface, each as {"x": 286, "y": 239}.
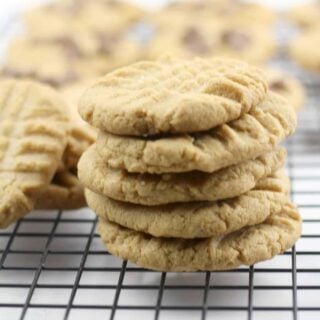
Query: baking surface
{"x": 53, "y": 265}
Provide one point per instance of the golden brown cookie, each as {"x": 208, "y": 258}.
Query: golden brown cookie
{"x": 243, "y": 247}
{"x": 197, "y": 219}
{"x": 64, "y": 192}
{"x": 287, "y": 86}
{"x": 248, "y": 137}
{"x": 95, "y": 35}
{"x": 172, "y": 95}
{"x": 151, "y": 189}
{"x": 33, "y": 125}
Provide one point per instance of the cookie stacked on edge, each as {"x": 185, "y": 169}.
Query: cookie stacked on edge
{"x": 186, "y": 171}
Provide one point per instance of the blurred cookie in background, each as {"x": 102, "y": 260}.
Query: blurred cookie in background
{"x": 114, "y": 51}
{"x": 213, "y": 27}
{"x": 287, "y": 86}
{"x": 61, "y": 62}
{"x": 305, "y": 15}
{"x": 186, "y": 39}
{"x": 305, "y": 50}
{"x": 255, "y": 45}
{"x": 90, "y": 37}
{"x": 57, "y": 19}
{"x": 208, "y": 39}
{"x": 47, "y": 63}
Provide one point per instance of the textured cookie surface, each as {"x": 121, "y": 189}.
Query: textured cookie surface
{"x": 33, "y": 129}
{"x": 64, "y": 192}
{"x": 150, "y": 189}
{"x": 197, "y": 219}
{"x": 171, "y": 95}
{"x": 243, "y": 247}
{"x": 248, "y": 137}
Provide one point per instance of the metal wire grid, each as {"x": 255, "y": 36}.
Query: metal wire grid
{"x": 53, "y": 265}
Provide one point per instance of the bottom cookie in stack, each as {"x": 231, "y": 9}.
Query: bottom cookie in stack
{"x": 246, "y": 246}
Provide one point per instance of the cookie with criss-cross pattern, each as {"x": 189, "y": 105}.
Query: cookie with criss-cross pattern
{"x": 33, "y": 131}
{"x": 172, "y": 96}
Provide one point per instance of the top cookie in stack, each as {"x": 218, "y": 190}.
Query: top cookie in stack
{"x": 173, "y": 96}
{"x": 185, "y": 171}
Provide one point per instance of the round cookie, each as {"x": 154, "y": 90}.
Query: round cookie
{"x": 248, "y": 137}
{"x": 287, "y": 86}
{"x": 243, "y": 247}
{"x": 304, "y": 51}
{"x": 172, "y": 95}
{"x": 34, "y": 126}
{"x": 64, "y": 193}
{"x": 197, "y": 219}
{"x": 153, "y": 189}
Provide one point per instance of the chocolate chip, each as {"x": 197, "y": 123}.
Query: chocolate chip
{"x": 236, "y": 39}
{"x": 195, "y": 42}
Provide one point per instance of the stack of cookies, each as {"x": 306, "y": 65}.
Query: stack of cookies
{"x": 186, "y": 170}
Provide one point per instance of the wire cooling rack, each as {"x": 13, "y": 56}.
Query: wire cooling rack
{"x": 53, "y": 265}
